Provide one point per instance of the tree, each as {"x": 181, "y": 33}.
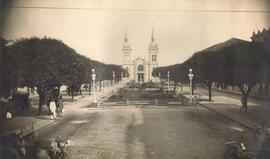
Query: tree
{"x": 41, "y": 64}
{"x": 45, "y": 63}
{"x": 3, "y": 87}
{"x": 234, "y": 62}
{"x": 77, "y": 73}
{"x": 117, "y": 69}
{"x": 8, "y": 80}
{"x": 246, "y": 62}
{"x": 203, "y": 65}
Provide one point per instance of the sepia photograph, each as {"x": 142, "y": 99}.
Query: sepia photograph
{"x": 134, "y": 79}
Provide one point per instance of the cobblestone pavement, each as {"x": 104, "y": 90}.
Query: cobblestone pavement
{"x": 156, "y": 133}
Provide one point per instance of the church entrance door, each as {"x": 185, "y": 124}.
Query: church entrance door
{"x": 140, "y": 77}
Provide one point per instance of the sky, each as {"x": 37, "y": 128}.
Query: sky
{"x": 95, "y": 28}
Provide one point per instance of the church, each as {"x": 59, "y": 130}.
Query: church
{"x": 139, "y": 69}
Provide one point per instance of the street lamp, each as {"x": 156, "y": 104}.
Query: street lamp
{"x": 169, "y": 89}
{"x": 159, "y": 75}
{"x": 113, "y": 74}
{"x": 190, "y": 75}
{"x": 122, "y": 79}
{"x": 94, "y": 84}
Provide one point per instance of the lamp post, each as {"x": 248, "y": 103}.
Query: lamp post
{"x": 122, "y": 79}
{"x": 159, "y": 75}
{"x": 113, "y": 74}
{"x": 94, "y": 84}
{"x": 169, "y": 89}
{"x": 190, "y": 75}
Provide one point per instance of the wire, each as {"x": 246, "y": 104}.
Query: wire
{"x": 137, "y": 10}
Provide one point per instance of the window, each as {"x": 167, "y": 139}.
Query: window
{"x": 126, "y": 57}
{"x": 140, "y": 68}
{"x": 154, "y": 58}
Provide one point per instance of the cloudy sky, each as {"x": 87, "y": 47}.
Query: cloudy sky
{"x": 95, "y": 28}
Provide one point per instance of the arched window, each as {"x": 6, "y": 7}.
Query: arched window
{"x": 154, "y": 58}
{"x": 140, "y": 68}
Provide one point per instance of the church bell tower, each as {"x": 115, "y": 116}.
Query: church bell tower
{"x": 153, "y": 55}
{"x": 126, "y": 50}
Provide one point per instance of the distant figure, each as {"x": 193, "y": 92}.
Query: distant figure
{"x": 53, "y": 109}
{"x": 263, "y": 132}
{"x": 8, "y": 115}
{"x": 59, "y": 105}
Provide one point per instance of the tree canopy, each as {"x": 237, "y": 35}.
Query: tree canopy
{"x": 44, "y": 63}
{"x": 233, "y": 62}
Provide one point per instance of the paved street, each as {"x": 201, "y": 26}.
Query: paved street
{"x": 158, "y": 133}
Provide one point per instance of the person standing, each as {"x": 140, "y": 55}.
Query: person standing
{"x": 59, "y": 105}
{"x": 53, "y": 109}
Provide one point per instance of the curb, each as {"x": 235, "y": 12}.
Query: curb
{"x": 229, "y": 117}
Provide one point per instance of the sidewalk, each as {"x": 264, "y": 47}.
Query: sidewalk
{"x": 27, "y": 123}
{"x": 223, "y": 104}
{"x": 239, "y": 93}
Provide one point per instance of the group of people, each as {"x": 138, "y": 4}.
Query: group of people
{"x": 56, "y": 107}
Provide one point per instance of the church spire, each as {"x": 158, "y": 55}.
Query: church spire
{"x": 126, "y": 39}
{"x": 152, "y": 36}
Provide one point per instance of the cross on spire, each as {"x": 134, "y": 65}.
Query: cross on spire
{"x": 126, "y": 39}
{"x": 152, "y": 36}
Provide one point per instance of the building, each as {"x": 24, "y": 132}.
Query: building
{"x": 139, "y": 69}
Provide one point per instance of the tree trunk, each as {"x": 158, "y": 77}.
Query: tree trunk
{"x": 40, "y": 104}
{"x": 209, "y": 92}
{"x": 100, "y": 85}
{"x": 244, "y": 103}
{"x": 209, "y": 86}
{"x": 260, "y": 89}
{"x": 72, "y": 95}
{"x": 266, "y": 89}
{"x": 245, "y": 89}
{"x": 58, "y": 91}
{"x": 41, "y": 94}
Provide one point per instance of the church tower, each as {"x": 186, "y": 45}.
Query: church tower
{"x": 126, "y": 50}
{"x": 153, "y": 55}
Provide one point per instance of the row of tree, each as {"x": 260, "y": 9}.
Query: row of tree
{"x": 45, "y": 63}
{"x": 235, "y": 62}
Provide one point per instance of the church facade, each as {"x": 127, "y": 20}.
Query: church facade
{"x": 139, "y": 69}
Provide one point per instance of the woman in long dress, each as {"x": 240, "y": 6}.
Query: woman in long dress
{"x": 53, "y": 109}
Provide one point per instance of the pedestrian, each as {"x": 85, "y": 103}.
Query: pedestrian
{"x": 53, "y": 109}
{"x": 59, "y": 105}
{"x": 263, "y": 132}
{"x": 8, "y": 115}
